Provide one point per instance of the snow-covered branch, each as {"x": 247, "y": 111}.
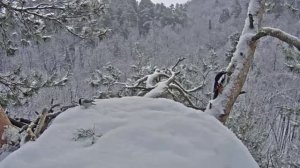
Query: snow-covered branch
{"x": 32, "y": 20}
{"x": 161, "y": 87}
{"x": 18, "y": 87}
{"x": 277, "y": 33}
{"x": 165, "y": 83}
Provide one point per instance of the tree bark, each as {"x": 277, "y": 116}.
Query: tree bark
{"x": 240, "y": 64}
{"x": 243, "y": 57}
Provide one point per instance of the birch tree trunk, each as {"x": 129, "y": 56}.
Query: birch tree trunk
{"x": 242, "y": 59}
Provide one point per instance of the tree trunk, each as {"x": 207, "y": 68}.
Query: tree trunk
{"x": 4, "y": 121}
{"x": 242, "y": 59}
{"x": 240, "y": 63}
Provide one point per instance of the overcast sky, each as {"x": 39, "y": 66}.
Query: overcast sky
{"x": 169, "y": 2}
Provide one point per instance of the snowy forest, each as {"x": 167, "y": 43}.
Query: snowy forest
{"x": 54, "y": 52}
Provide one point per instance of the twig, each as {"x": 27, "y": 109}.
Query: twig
{"x": 185, "y": 96}
{"x": 52, "y": 107}
{"x": 179, "y": 60}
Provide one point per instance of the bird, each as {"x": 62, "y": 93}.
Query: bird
{"x": 86, "y": 103}
{"x": 219, "y": 83}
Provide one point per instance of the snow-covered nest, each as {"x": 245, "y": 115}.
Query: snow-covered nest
{"x": 133, "y": 133}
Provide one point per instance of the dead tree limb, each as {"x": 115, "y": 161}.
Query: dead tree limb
{"x": 41, "y": 123}
{"x": 17, "y": 123}
{"x": 30, "y": 135}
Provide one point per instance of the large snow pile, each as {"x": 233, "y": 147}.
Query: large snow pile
{"x": 133, "y": 133}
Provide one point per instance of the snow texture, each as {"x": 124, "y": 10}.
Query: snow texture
{"x": 134, "y": 133}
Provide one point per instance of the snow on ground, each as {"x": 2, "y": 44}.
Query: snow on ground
{"x": 133, "y": 133}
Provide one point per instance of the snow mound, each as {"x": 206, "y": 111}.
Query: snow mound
{"x": 133, "y": 133}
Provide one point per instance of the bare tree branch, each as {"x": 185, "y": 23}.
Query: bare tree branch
{"x": 177, "y": 63}
{"x": 277, "y": 33}
{"x": 186, "y": 97}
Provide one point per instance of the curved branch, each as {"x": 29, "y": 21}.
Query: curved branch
{"x": 182, "y": 88}
{"x": 277, "y": 33}
{"x": 195, "y": 89}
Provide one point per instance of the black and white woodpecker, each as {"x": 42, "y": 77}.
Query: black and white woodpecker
{"x": 219, "y": 83}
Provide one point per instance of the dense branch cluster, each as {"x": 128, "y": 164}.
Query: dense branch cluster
{"x": 27, "y": 20}
{"x": 291, "y": 7}
{"x": 164, "y": 83}
{"x": 293, "y": 59}
{"x": 15, "y": 87}
{"x": 32, "y": 129}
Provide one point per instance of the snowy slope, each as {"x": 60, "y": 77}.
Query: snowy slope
{"x": 134, "y": 133}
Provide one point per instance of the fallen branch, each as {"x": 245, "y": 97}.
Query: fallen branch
{"x": 41, "y": 122}
{"x": 17, "y": 123}
{"x": 30, "y": 135}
